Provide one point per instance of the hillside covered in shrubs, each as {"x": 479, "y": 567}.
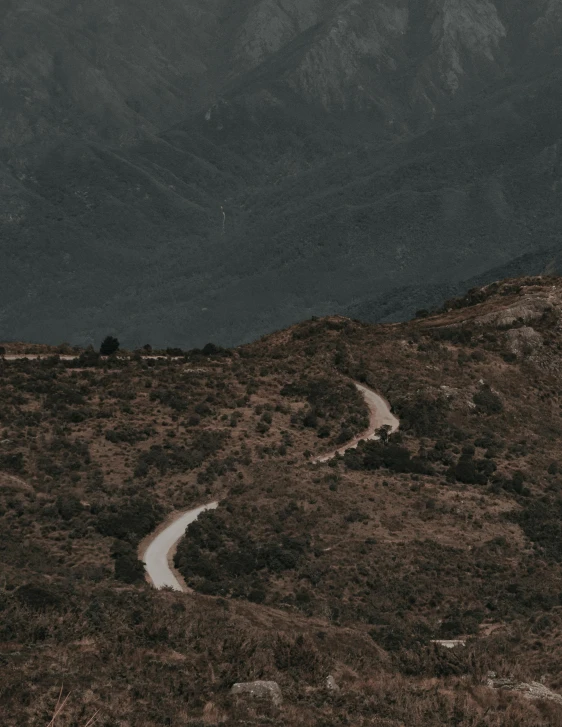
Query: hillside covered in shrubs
{"x": 448, "y": 528}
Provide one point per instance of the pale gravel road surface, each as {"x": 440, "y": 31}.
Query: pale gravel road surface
{"x": 36, "y": 356}
{"x": 380, "y": 415}
{"x": 158, "y": 552}
{"x": 69, "y": 357}
{"x": 158, "y": 556}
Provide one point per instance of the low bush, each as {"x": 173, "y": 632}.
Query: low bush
{"x": 68, "y": 506}
{"x": 373, "y": 455}
{"x": 423, "y": 415}
{"x": 132, "y": 521}
{"x": 487, "y": 402}
{"x": 38, "y": 597}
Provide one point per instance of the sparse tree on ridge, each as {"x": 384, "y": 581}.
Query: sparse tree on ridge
{"x": 384, "y": 432}
{"x": 109, "y": 346}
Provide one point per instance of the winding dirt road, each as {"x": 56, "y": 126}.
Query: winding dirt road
{"x": 157, "y": 551}
{"x": 380, "y": 415}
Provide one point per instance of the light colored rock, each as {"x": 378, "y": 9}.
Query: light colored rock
{"x": 526, "y": 310}
{"x": 259, "y": 690}
{"x": 547, "y": 27}
{"x": 523, "y": 340}
{"x": 449, "y": 643}
{"x": 449, "y": 391}
{"x": 529, "y": 690}
{"x": 331, "y": 684}
{"x": 465, "y": 27}
{"x": 270, "y": 25}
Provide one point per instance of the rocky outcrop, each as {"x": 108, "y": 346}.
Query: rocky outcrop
{"x": 259, "y": 690}
{"x": 449, "y": 643}
{"x": 529, "y": 690}
{"x": 331, "y": 684}
{"x": 523, "y": 341}
{"x": 465, "y": 31}
{"x": 333, "y": 71}
{"x": 360, "y": 47}
{"x": 354, "y": 56}
{"x": 525, "y": 310}
{"x": 546, "y": 29}
{"x": 269, "y": 25}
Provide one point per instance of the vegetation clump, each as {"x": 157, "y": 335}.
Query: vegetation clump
{"x": 487, "y": 401}
{"x": 109, "y": 346}
{"x": 223, "y": 559}
{"x": 131, "y": 521}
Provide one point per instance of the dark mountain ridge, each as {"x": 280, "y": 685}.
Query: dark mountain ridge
{"x": 448, "y": 529}
{"x": 356, "y": 150}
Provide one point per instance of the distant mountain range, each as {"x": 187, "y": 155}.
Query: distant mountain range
{"x": 185, "y": 171}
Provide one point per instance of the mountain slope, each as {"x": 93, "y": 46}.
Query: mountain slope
{"x": 449, "y": 530}
{"x": 354, "y": 150}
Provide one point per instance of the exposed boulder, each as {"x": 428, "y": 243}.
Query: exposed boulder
{"x": 259, "y": 690}
{"x": 331, "y": 684}
{"x": 449, "y": 643}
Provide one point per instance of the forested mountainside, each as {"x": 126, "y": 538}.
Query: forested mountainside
{"x": 352, "y": 568}
{"x": 186, "y": 171}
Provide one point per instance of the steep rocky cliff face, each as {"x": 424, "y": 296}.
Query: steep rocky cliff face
{"x": 138, "y": 65}
{"x": 418, "y": 51}
{"x": 190, "y": 170}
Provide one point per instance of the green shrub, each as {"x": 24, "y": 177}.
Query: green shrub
{"x": 12, "y": 462}
{"x": 128, "y": 568}
{"x": 220, "y": 552}
{"x": 517, "y": 481}
{"x": 127, "y": 433}
{"x": 487, "y": 401}
{"x": 133, "y": 520}
{"x": 68, "y": 506}
{"x": 169, "y": 397}
{"x": 38, "y": 597}
{"x": 472, "y": 471}
{"x": 109, "y": 346}
{"x": 541, "y": 521}
{"x": 465, "y": 471}
{"x": 373, "y": 455}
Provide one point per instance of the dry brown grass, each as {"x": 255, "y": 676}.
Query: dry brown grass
{"x": 61, "y": 713}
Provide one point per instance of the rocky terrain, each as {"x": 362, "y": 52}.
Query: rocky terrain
{"x": 322, "y": 590}
{"x": 190, "y": 171}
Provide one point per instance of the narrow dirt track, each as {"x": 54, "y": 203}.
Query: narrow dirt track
{"x": 69, "y": 357}
{"x": 380, "y": 415}
{"x": 157, "y": 551}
